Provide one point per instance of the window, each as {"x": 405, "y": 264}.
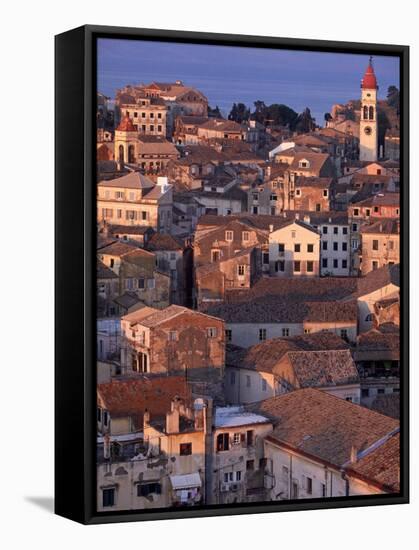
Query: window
{"x": 374, "y": 265}
{"x": 232, "y": 377}
{"x": 375, "y": 244}
{"x": 285, "y": 472}
{"x": 309, "y": 485}
{"x": 297, "y": 248}
{"x": 264, "y": 385}
{"x": 241, "y": 270}
{"x": 344, "y": 247}
{"x": 307, "y": 330}
{"x": 368, "y": 212}
{"x": 335, "y": 246}
{"x": 248, "y": 381}
{"x": 390, "y": 245}
{"x": 280, "y": 266}
{"x": 245, "y": 236}
{"x": 293, "y": 234}
{"x": 281, "y": 247}
{"x": 344, "y": 264}
{"x": 365, "y": 392}
{"x": 324, "y": 245}
{"x": 250, "y": 465}
{"x": 108, "y": 497}
{"x": 354, "y": 227}
{"x": 274, "y": 198}
{"x": 141, "y": 284}
{"x": 310, "y": 267}
{"x": 172, "y": 336}
{"x": 323, "y": 489}
{"x": 215, "y": 255}
{"x": 265, "y": 258}
{"x": 310, "y": 248}
{"x": 297, "y": 267}
{"x": 238, "y": 476}
{"x": 349, "y": 399}
{"x": 222, "y": 442}
{"x": 145, "y": 489}
{"x": 228, "y": 334}
{"x": 212, "y": 332}
{"x": 262, "y": 334}
{"x": 285, "y": 332}
{"x": 335, "y": 264}
{"x": 99, "y": 414}
{"x": 237, "y": 438}
{"x": 142, "y": 115}
{"x": 298, "y": 192}
{"x": 151, "y": 283}
{"x": 324, "y": 229}
{"x": 335, "y": 230}
{"x": 105, "y": 417}
{"x": 111, "y": 262}
{"x": 185, "y": 449}
{"x": 344, "y": 333}
{"x": 380, "y": 391}
{"x": 229, "y": 235}
{"x": 356, "y": 211}
{"x": 345, "y": 230}
{"x": 262, "y": 463}
{"x": 318, "y": 207}
{"x": 325, "y": 192}
{"x": 249, "y": 438}
{"x": 151, "y": 127}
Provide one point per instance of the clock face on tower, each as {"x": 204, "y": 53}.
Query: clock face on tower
{"x": 368, "y": 130}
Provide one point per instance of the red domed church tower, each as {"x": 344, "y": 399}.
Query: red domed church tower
{"x": 368, "y": 131}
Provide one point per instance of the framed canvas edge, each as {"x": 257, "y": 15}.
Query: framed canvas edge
{"x": 87, "y": 513}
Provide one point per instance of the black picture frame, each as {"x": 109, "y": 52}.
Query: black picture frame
{"x": 75, "y": 233}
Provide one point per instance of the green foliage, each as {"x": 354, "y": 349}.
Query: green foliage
{"x": 216, "y": 113}
{"x": 239, "y": 113}
{"x": 393, "y": 97}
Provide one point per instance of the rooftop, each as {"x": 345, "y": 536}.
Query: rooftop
{"x": 227, "y": 417}
{"x": 324, "y": 426}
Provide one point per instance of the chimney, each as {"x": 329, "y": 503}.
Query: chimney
{"x": 297, "y": 215}
{"x": 307, "y": 219}
{"x": 271, "y": 228}
{"x": 354, "y": 454}
{"x": 173, "y": 417}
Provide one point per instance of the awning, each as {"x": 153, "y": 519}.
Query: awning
{"x": 186, "y": 481}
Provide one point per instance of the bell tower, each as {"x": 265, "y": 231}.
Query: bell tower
{"x": 368, "y": 131}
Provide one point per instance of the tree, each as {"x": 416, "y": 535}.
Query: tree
{"x": 216, "y": 113}
{"x": 327, "y": 117}
{"x": 305, "y": 122}
{"x": 260, "y": 111}
{"x": 393, "y": 97}
{"x": 239, "y": 113}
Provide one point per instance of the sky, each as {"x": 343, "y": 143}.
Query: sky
{"x": 228, "y": 74}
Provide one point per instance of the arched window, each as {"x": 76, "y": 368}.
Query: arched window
{"x": 365, "y": 112}
{"x": 371, "y": 113}
{"x": 121, "y": 153}
{"x": 131, "y": 156}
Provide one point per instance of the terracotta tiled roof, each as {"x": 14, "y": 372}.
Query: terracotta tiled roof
{"x": 118, "y": 249}
{"x": 132, "y": 180}
{"x": 378, "y": 278}
{"x": 381, "y": 465}
{"x": 319, "y": 289}
{"x": 283, "y": 310}
{"x": 385, "y": 226}
{"x": 126, "y": 125}
{"x": 133, "y": 396}
{"x": 163, "y": 241}
{"x": 103, "y": 271}
{"x": 323, "y": 368}
{"x": 266, "y": 355}
{"x": 323, "y": 425}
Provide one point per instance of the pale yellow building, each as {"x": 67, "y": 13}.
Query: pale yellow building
{"x": 134, "y": 199}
